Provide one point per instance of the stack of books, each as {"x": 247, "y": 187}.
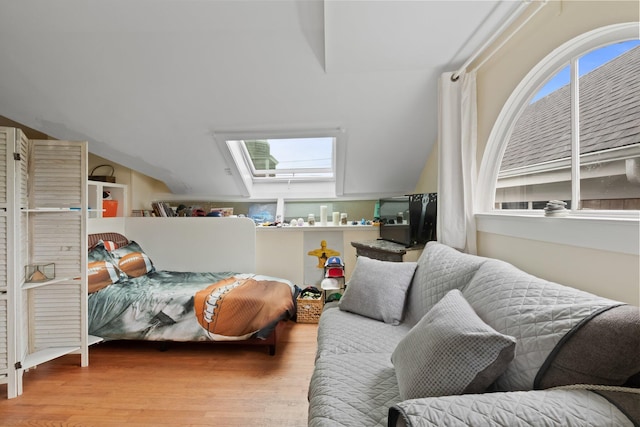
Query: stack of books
{"x": 162, "y": 209}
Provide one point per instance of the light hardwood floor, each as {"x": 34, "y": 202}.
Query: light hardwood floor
{"x": 189, "y": 384}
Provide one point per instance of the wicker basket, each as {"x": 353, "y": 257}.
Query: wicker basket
{"x": 309, "y": 310}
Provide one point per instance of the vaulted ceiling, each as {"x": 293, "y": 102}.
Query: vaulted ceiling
{"x": 149, "y": 83}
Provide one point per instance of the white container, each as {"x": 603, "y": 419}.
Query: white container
{"x": 323, "y": 215}
{"x": 336, "y": 218}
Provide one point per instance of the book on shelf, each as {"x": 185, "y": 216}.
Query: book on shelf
{"x": 142, "y": 212}
{"x": 163, "y": 209}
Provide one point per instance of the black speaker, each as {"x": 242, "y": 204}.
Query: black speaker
{"x": 423, "y": 210}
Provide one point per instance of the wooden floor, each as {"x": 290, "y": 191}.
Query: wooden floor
{"x": 189, "y": 384}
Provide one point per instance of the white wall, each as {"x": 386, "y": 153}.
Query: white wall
{"x": 141, "y": 188}
{"x": 281, "y": 253}
{"x": 211, "y": 245}
{"x": 610, "y": 274}
{"x": 607, "y": 273}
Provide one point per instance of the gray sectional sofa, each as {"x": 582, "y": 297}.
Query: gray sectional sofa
{"x": 457, "y": 339}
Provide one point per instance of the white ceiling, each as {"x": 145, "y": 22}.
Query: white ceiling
{"x": 149, "y": 82}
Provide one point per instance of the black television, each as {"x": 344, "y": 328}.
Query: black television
{"x": 408, "y": 220}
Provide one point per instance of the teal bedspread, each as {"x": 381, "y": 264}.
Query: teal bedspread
{"x": 183, "y": 306}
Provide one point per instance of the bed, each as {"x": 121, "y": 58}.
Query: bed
{"x": 130, "y": 298}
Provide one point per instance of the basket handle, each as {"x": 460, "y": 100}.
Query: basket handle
{"x": 103, "y": 166}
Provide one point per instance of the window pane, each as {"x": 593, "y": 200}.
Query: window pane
{"x": 609, "y": 127}
{"x": 292, "y": 157}
{"x": 537, "y": 162}
{"x": 536, "y": 166}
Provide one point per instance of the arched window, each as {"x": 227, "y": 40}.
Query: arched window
{"x": 570, "y": 132}
{"x": 578, "y": 139}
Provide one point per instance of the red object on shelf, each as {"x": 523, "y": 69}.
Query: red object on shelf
{"x": 110, "y": 208}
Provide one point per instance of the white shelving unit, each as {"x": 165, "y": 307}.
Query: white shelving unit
{"x": 44, "y": 219}
{"x": 96, "y": 189}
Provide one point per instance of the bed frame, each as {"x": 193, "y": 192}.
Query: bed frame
{"x": 189, "y": 244}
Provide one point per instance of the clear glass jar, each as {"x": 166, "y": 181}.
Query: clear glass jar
{"x": 311, "y": 219}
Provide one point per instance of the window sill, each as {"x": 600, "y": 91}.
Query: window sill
{"x": 612, "y": 233}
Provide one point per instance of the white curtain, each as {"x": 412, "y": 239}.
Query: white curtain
{"x": 457, "y": 161}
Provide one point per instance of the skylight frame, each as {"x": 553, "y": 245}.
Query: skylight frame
{"x": 256, "y": 188}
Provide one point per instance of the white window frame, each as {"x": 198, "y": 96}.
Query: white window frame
{"x": 616, "y": 231}
{"x": 273, "y": 188}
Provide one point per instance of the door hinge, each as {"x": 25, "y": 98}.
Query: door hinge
{"x": 18, "y": 365}
{"x": 17, "y": 156}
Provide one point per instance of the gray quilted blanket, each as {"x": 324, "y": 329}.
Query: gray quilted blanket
{"x": 341, "y": 332}
{"x": 352, "y": 390}
{"x": 354, "y": 382}
{"x": 536, "y": 312}
{"x": 531, "y": 408}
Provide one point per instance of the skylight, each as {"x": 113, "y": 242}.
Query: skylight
{"x": 292, "y": 164}
{"x": 290, "y": 158}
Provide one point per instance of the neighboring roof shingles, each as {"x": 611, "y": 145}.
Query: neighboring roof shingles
{"x": 609, "y": 116}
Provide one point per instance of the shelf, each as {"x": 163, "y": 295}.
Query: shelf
{"x": 31, "y": 285}
{"x": 38, "y": 210}
{"x": 92, "y": 339}
{"x": 95, "y": 198}
{"x": 46, "y": 355}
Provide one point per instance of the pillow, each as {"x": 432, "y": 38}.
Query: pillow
{"x": 132, "y": 260}
{"x": 110, "y": 245}
{"x": 450, "y": 351}
{"x": 101, "y": 274}
{"x": 101, "y": 270}
{"x": 98, "y": 253}
{"x": 377, "y": 289}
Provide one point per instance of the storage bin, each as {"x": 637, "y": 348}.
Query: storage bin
{"x": 309, "y": 310}
{"x": 110, "y": 208}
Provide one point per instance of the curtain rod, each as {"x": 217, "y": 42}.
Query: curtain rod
{"x": 525, "y": 3}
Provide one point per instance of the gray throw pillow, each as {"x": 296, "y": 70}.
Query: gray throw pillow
{"x": 377, "y": 289}
{"x": 450, "y": 351}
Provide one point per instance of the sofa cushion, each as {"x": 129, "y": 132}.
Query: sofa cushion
{"x": 440, "y": 269}
{"x": 604, "y": 349}
{"x": 352, "y": 390}
{"x": 450, "y": 351}
{"x": 343, "y": 332}
{"x": 536, "y": 312}
{"x": 378, "y": 289}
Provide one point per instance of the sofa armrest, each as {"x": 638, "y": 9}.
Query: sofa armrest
{"x": 520, "y": 408}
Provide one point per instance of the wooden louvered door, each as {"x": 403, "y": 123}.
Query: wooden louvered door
{"x": 50, "y": 318}
{"x": 43, "y": 201}
{"x": 7, "y": 374}
{"x": 13, "y": 249}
